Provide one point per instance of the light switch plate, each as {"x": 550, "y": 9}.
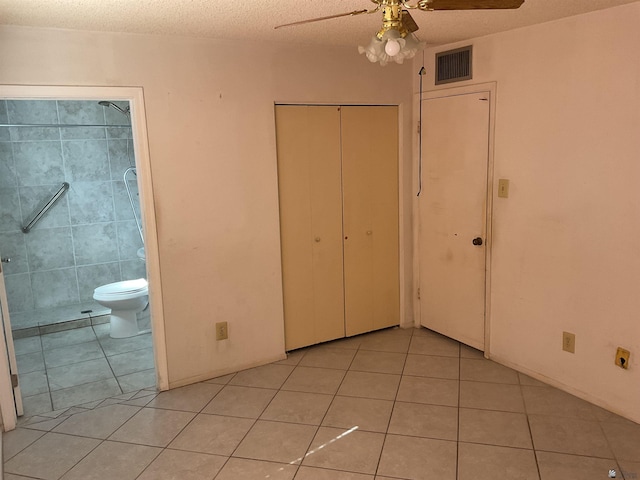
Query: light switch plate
{"x": 503, "y": 188}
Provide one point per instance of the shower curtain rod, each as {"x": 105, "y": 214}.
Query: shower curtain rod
{"x": 63, "y": 125}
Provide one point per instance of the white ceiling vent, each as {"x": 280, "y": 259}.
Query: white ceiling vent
{"x": 454, "y": 65}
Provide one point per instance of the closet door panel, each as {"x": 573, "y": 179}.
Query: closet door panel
{"x": 309, "y": 176}
{"x": 370, "y": 209}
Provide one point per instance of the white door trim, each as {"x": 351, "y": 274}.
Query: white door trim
{"x": 491, "y": 89}
{"x": 8, "y": 413}
{"x": 135, "y": 97}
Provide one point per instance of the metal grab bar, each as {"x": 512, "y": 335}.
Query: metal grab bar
{"x": 26, "y": 228}
{"x": 126, "y": 186}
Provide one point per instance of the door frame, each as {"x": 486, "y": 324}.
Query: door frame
{"x": 491, "y": 89}
{"x": 8, "y": 405}
{"x": 135, "y": 97}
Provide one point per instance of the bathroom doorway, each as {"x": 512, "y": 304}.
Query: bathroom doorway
{"x": 78, "y": 158}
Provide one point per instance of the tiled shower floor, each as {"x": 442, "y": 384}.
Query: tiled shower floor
{"x": 81, "y": 366}
{"x": 50, "y": 320}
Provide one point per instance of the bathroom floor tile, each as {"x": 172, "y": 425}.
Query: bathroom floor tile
{"x": 137, "y": 380}
{"x": 27, "y": 345}
{"x": 114, "y": 346}
{"x": 131, "y": 362}
{"x": 34, "y": 383}
{"x": 30, "y": 362}
{"x": 78, "y": 353}
{"x": 67, "y": 337}
{"x": 37, "y": 404}
{"x": 87, "y": 392}
{"x": 78, "y": 374}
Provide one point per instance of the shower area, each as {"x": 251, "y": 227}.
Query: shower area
{"x": 70, "y": 222}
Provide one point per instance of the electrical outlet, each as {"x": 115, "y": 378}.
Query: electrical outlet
{"x": 222, "y": 331}
{"x": 569, "y": 342}
{"x": 622, "y": 358}
{"x": 503, "y": 188}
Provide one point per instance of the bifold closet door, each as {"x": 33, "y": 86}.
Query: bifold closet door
{"x": 370, "y": 196}
{"x": 309, "y": 183}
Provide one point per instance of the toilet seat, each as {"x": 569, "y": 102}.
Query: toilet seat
{"x": 122, "y": 289}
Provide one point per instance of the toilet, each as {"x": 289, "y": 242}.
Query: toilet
{"x": 125, "y": 299}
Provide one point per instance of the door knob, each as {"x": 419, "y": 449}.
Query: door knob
{"x": 317, "y": 239}
{"x": 477, "y": 241}
{"x": 5, "y": 259}
{"x": 369, "y": 232}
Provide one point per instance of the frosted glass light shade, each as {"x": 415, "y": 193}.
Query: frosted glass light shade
{"x": 386, "y": 50}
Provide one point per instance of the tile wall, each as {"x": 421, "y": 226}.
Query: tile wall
{"x": 89, "y": 237}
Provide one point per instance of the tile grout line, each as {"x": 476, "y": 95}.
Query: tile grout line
{"x": 526, "y": 413}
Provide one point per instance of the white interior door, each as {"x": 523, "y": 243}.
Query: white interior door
{"x": 10, "y": 397}
{"x": 452, "y": 241}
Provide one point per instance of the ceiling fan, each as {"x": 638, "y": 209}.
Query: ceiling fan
{"x": 396, "y": 41}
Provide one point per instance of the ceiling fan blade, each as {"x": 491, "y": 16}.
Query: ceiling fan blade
{"x": 469, "y": 4}
{"x": 408, "y": 22}
{"x": 319, "y": 19}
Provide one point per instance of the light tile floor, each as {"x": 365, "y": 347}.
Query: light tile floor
{"x": 396, "y": 404}
{"x": 73, "y": 367}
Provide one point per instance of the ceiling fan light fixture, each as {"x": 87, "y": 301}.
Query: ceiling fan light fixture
{"x": 391, "y": 47}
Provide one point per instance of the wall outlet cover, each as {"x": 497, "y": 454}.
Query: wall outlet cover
{"x": 569, "y": 342}
{"x": 622, "y": 357}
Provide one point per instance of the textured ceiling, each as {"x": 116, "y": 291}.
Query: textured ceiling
{"x": 255, "y": 19}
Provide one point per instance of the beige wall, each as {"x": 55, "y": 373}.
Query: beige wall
{"x": 565, "y": 244}
{"x": 211, "y": 131}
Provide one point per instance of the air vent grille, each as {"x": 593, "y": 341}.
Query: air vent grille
{"x": 454, "y": 65}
